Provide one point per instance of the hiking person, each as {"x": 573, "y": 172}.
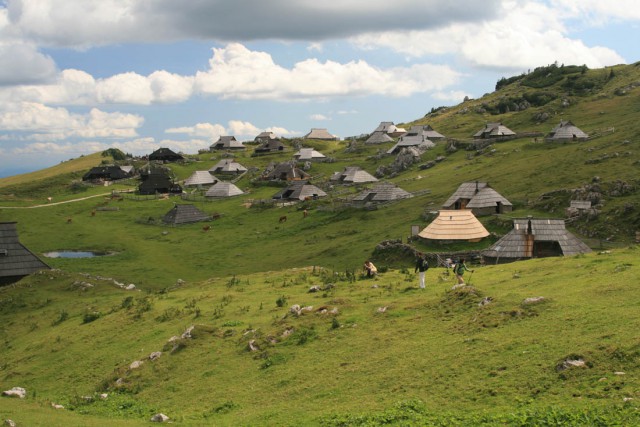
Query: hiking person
{"x": 421, "y": 267}
{"x": 459, "y": 270}
{"x": 370, "y": 268}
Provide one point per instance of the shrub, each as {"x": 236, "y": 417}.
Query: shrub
{"x": 91, "y": 316}
{"x": 282, "y": 301}
{"x": 61, "y": 318}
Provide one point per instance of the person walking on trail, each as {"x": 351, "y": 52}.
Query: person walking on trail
{"x": 370, "y": 268}
{"x": 421, "y": 267}
{"x": 459, "y": 270}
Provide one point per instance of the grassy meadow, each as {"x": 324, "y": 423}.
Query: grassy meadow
{"x": 369, "y": 351}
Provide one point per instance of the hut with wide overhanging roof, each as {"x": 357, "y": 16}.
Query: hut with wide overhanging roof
{"x": 480, "y": 198}
{"x": 223, "y": 189}
{"x": 184, "y": 214}
{"x": 381, "y": 193}
{"x": 452, "y": 225}
{"x": 494, "y": 130}
{"x": 16, "y": 261}
{"x": 299, "y": 190}
{"x": 165, "y": 155}
{"x": 265, "y": 136}
{"x": 228, "y": 167}
{"x": 321, "y": 134}
{"x": 378, "y": 137}
{"x": 107, "y": 173}
{"x": 158, "y": 183}
{"x": 200, "y": 179}
{"x": 286, "y": 171}
{"x": 353, "y": 175}
{"x": 415, "y": 137}
{"x": 566, "y": 131}
{"x": 535, "y": 238}
{"x": 309, "y": 155}
{"x": 431, "y": 133}
{"x": 227, "y": 143}
{"x": 269, "y": 143}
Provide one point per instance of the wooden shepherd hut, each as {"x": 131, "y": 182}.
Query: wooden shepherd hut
{"x": 535, "y": 238}
{"x": 223, "y": 189}
{"x": 309, "y": 155}
{"x": 480, "y": 198}
{"x": 416, "y": 137}
{"x": 321, "y": 134}
{"x": 353, "y": 175}
{"x": 455, "y": 225}
{"x": 299, "y": 190}
{"x": 227, "y": 143}
{"x": 228, "y": 167}
{"x": 200, "y": 179}
{"x": 380, "y": 193}
{"x": 16, "y": 261}
{"x": 106, "y": 173}
{"x": 286, "y": 171}
{"x": 165, "y": 155}
{"x": 566, "y": 131}
{"x": 184, "y": 214}
{"x": 494, "y": 130}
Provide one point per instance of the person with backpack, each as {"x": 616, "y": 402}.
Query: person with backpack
{"x": 459, "y": 270}
{"x": 421, "y": 266}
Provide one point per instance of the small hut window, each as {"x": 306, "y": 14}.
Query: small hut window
{"x": 4, "y": 252}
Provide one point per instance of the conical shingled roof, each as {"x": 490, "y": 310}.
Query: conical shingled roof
{"x": 378, "y": 137}
{"x": 223, "y": 189}
{"x": 229, "y": 166}
{"x": 308, "y": 154}
{"x": 515, "y": 244}
{"x": 200, "y": 178}
{"x": 383, "y": 192}
{"x": 184, "y": 214}
{"x": 455, "y": 225}
{"x": 299, "y": 190}
{"x": 567, "y": 131}
{"x": 320, "y": 133}
{"x": 16, "y": 261}
{"x": 353, "y": 174}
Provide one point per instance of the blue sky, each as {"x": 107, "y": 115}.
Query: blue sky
{"x": 80, "y": 76}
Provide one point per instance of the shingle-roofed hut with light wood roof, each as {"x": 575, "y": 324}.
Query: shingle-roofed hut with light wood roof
{"x": 455, "y": 225}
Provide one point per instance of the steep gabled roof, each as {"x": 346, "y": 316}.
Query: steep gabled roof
{"x": 308, "y": 154}
{"x": 353, "y": 174}
{"x": 466, "y": 190}
{"x": 184, "y": 214}
{"x": 494, "y": 130}
{"x": 320, "y": 133}
{"x": 165, "y": 154}
{"x": 383, "y": 192}
{"x": 158, "y": 183}
{"x": 378, "y": 137}
{"x": 16, "y": 261}
{"x": 299, "y": 190}
{"x": 200, "y": 178}
{"x": 223, "y": 189}
{"x": 416, "y": 137}
{"x": 286, "y": 172}
{"x": 265, "y": 136}
{"x": 514, "y": 244}
{"x": 228, "y": 166}
{"x": 487, "y": 197}
{"x": 227, "y": 142}
{"x": 455, "y": 225}
{"x": 106, "y": 172}
{"x": 566, "y": 131}
{"x": 431, "y": 133}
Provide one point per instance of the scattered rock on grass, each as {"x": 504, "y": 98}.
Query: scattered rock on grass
{"x": 10, "y": 423}
{"x": 155, "y": 355}
{"x": 159, "y": 418}
{"x": 136, "y": 364}
{"x": 571, "y": 363}
{"x": 382, "y": 309}
{"x": 533, "y": 300}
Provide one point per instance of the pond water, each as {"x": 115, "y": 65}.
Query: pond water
{"x": 74, "y": 254}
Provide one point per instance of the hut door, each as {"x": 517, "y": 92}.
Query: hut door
{"x": 498, "y": 207}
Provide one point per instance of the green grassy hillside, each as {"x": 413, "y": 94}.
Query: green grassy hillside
{"x": 382, "y": 352}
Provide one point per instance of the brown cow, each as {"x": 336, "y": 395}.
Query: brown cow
{"x": 283, "y": 218}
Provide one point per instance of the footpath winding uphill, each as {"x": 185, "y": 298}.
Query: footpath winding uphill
{"x": 55, "y": 203}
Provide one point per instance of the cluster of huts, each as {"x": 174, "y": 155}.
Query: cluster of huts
{"x": 457, "y": 220}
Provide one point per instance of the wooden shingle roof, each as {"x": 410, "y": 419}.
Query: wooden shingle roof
{"x": 455, "y": 225}
{"x": 223, "y": 189}
{"x": 308, "y": 154}
{"x": 184, "y": 214}
{"x": 353, "y": 174}
{"x": 378, "y": 137}
{"x": 320, "y": 133}
{"x": 16, "y": 261}
{"x": 382, "y": 192}
{"x": 228, "y": 166}
{"x": 566, "y": 131}
{"x": 299, "y": 190}
{"x": 514, "y": 244}
{"x": 200, "y": 178}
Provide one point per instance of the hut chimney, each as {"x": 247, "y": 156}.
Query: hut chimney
{"x": 477, "y": 189}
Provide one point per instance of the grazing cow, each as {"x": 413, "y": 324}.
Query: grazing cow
{"x": 69, "y": 220}
{"x": 283, "y": 218}
{"x": 305, "y": 213}
{"x": 49, "y": 199}
{"x": 93, "y": 212}
{"x": 206, "y": 228}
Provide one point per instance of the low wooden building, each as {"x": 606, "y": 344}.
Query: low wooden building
{"x": 353, "y": 175}
{"x": 535, "y": 238}
{"x": 200, "y": 179}
{"x": 223, "y": 189}
{"x": 309, "y": 155}
{"x": 227, "y": 143}
{"x": 494, "y": 130}
{"x": 107, "y": 173}
{"x": 381, "y": 193}
{"x": 566, "y": 131}
{"x": 165, "y": 155}
{"x": 415, "y": 137}
{"x": 228, "y": 167}
{"x": 480, "y": 198}
{"x": 184, "y": 214}
{"x": 16, "y": 261}
{"x": 286, "y": 171}
{"x": 452, "y": 225}
{"x": 299, "y": 190}
{"x": 321, "y": 134}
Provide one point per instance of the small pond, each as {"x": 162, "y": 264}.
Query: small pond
{"x": 74, "y": 254}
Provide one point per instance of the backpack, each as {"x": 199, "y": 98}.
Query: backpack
{"x": 458, "y": 268}
{"x": 425, "y": 264}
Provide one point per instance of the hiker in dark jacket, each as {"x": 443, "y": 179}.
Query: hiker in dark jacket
{"x": 421, "y": 266}
{"x": 459, "y": 270}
